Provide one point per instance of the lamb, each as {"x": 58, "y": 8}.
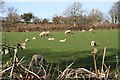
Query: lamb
{"x": 26, "y": 40}
{"x": 67, "y": 31}
{"x": 91, "y": 30}
{"x": 23, "y": 45}
{"x": 93, "y": 43}
{"x": 47, "y": 33}
{"x": 20, "y": 46}
{"x": 51, "y": 39}
{"x": 83, "y": 31}
{"x": 42, "y": 33}
{"x": 34, "y": 38}
{"x": 62, "y": 40}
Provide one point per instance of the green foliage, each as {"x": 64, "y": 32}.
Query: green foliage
{"x": 27, "y": 16}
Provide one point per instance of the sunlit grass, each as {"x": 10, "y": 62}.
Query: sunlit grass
{"x": 76, "y": 48}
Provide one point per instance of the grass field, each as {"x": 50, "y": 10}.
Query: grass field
{"x": 76, "y": 48}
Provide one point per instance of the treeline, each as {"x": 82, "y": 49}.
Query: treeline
{"x": 58, "y": 27}
{"x": 73, "y": 18}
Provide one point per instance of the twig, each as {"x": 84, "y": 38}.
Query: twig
{"x": 14, "y": 62}
{"x": 108, "y": 70}
{"x": 87, "y": 71}
{"x": 63, "y": 73}
{"x": 103, "y": 60}
{"x": 30, "y": 72}
{"x": 44, "y": 72}
{"x": 117, "y": 63}
{"x": 5, "y": 70}
{"x": 96, "y": 71}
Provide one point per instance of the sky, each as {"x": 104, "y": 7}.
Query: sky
{"x": 50, "y": 9}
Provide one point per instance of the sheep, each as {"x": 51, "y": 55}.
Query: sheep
{"x": 93, "y": 43}
{"x": 37, "y": 59}
{"x": 51, "y": 39}
{"x": 83, "y": 31}
{"x": 67, "y": 31}
{"x": 34, "y": 38}
{"x": 20, "y": 46}
{"x": 91, "y": 30}
{"x": 26, "y": 40}
{"x": 62, "y": 40}
{"x": 42, "y": 33}
{"x": 23, "y": 45}
{"x": 47, "y": 33}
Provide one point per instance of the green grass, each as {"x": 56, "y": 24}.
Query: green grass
{"x": 76, "y": 48}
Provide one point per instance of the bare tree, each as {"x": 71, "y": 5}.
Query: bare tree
{"x": 74, "y": 11}
{"x": 2, "y": 3}
{"x": 115, "y": 12}
{"x": 95, "y": 16}
{"x": 11, "y": 19}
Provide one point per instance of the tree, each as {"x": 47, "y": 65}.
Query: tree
{"x": 11, "y": 19}
{"x": 114, "y": 12}
{"x": 27, "y": 17}
{"x": 36, "y": 20}
{"x": 45, "y": 21}
{"x": 73, "y": 12}
{"x": 58, "y": 19}
{"x": 95, "y": 16}
{"x": 2, "y": 3}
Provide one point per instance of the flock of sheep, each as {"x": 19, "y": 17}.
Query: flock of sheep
{"x": 6, "y": 50}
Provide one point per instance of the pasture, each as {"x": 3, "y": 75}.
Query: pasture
{"x": 75, "y": 49}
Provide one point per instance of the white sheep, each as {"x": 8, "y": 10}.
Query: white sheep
{"x": 26, "y": 40}
{"x": 83, "y": 31}
{"x": 62, "y": 40}
{"x": 42, "y": 33}
{"x": 23, "y": 45}
{"x": 47, "y": 33}
{"x": 20, "y": 46}
{"x": 93, "y": 43}
{"x": 34, "y": 38}
{"x": 67, "y": 31}
{"x": 91, "y": 30}
{"x": 51, "y": 39}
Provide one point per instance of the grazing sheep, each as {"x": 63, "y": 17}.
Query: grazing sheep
{"x": 67, "y": 31}
{"x": 20, "y": 46}
{"x": 62, "y": 40}
{"x": 83, "y": 31}
{"x": 51, "y": 39}
{"x": 26, "y": 40}
{"x": 47, "y": 33}
{"x": 44, "y": 33}
{"x": 34, "y": 38}
{"x": 91, "y": 30}
{"x": 37, "y": 59}
{"x": 23, "y": 45}
{"x": 93, "y": 43}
